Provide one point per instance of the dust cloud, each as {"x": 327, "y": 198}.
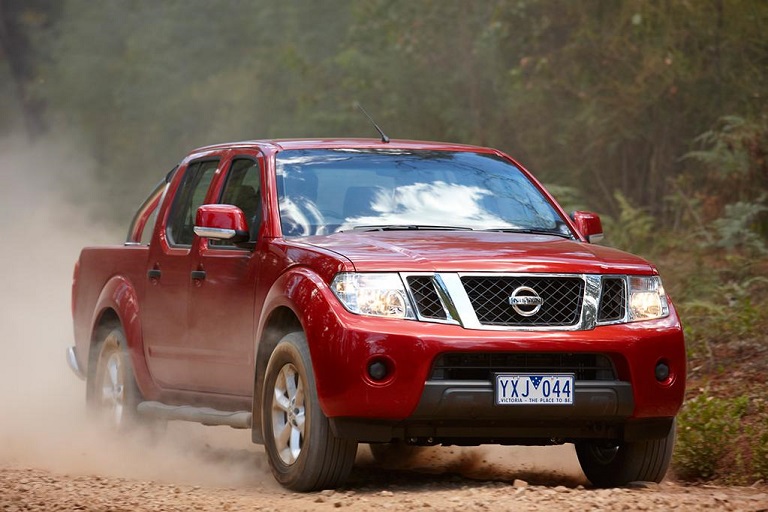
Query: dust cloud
{"x": 43, "y": 421}
{"x": 42, "y": 404}
{"x": 537, "y": 465}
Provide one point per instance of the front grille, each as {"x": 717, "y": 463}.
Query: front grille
{"x": 489, "y": 295}
{"x": 482, "y": 366}
{"x": 427, "y": 299}
{"x": 613, "y": 300}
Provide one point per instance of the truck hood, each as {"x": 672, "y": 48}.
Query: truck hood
{"x": 475, "y": 251}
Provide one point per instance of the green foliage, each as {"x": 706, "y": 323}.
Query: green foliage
{"x": 592, "y": 95}
{"x": 718, "y": 306}
{"x": 722, "y": 301}
{"x": 759, "y": 448}
{"x": 149, "y": 81}
{"x": 632, "y": 230}
{"x": 707, "y": 427}
{"x": 733, "y": 158}
{"x": 735, "y": 229}
{"x": 726, "y": 151}
{"x": 629, "y": 81}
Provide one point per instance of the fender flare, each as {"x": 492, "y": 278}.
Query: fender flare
{"x": 292, "y": 291}
{"x": 119, "y": 295}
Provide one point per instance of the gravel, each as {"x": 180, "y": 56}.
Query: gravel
{"x": 199, "y": 469}
{"x": 36, "y": 489}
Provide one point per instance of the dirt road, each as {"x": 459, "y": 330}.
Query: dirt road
{"x": 40, "y": 490}
{"x": 198, "y": 468}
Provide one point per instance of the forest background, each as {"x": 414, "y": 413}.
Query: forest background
{"x": 652, "y": 113}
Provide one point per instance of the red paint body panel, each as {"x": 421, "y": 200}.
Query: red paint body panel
{"x": 116, "y": 283}
{"x": 470, "y": 251}
{"x": 194, "y": 316}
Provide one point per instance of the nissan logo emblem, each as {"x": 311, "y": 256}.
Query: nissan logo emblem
{"x": 525, "y": 301}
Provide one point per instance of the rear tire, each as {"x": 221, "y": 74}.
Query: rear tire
{"x": 302, "y": 451}
{"x": 613, "y": 464}
{"x": 111, "y": 391}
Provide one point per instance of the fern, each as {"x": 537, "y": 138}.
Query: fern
{"x": 726, "y": 152}
{"x": 633, "y": 229}
{"x": 735, "y": 228}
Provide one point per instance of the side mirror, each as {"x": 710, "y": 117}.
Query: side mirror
{"x": 221, "y": 222}
{"x": 589, "y": 225}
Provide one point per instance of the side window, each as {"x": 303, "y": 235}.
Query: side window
{"x": 189, "y": 198}
{"x": 146, "y": 234}
{"x": 143, "y": 223}
{"x": 243, "y": 189}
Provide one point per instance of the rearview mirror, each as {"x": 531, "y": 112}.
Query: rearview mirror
{"x": 589, "y": 225}
{"x": 221, "y": 222}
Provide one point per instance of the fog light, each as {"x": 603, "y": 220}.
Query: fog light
{"x": 377, "y": 370}
{"x": 662, "y": 372}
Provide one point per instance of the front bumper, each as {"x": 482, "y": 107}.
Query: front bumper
{"x": 413, "y": 401}
{"x": 341, "y": 357}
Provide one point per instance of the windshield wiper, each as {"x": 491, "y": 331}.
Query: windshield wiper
{"x": 408, "y": 227}
{"x": 529, "y": 231}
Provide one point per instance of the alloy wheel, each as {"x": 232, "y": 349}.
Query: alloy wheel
{"x": 288, "y": 414}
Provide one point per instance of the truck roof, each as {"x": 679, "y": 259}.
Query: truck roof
{"x": 329, "y": 143}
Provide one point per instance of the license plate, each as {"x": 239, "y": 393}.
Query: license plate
{"x": 537, "y": 389}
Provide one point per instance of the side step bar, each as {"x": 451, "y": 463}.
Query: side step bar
{"x": 204, "y": 415}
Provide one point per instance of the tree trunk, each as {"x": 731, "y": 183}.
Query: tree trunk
{"x": 14, "y": 47}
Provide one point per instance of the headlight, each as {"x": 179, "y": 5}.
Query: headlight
{"x": 373, "y": 294}
{"x": 647, "y": 298}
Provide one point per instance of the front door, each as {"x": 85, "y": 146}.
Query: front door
{"x": 221, "y": 298}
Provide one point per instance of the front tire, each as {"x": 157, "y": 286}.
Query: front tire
{"x": 613, "y": 464}
{"x": 302, "y": 451}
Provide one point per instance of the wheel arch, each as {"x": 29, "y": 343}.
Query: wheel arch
{"x": 105, "y": 321}
{"x": 118, "y": 307}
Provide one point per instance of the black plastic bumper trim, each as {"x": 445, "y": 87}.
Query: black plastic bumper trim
{"x": 464, "y": 413}
{"x": 461, "y": 400}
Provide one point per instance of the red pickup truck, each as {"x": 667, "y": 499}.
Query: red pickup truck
{"x": 324, "y": 293}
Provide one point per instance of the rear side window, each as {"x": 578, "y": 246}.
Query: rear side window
{"x": 189, "y": 198}
{"x": 143, "y": 223}
{"x": 146, "y": 234}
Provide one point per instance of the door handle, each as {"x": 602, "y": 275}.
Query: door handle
{"x": 154, "y": 273}
{"x": 198, "y": 275}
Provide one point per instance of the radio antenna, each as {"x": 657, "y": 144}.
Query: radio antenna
{"x": 384, "y": 137}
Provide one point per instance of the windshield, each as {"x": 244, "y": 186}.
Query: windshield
{"x": 322, "y": 191}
